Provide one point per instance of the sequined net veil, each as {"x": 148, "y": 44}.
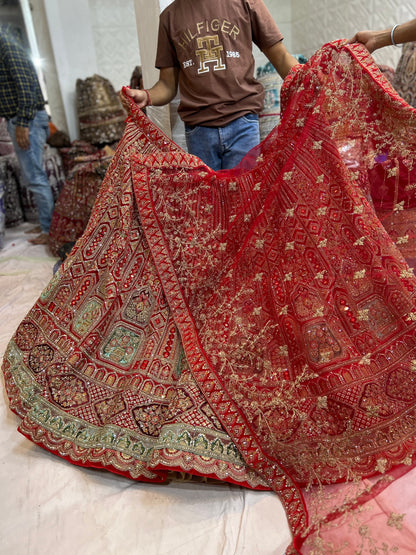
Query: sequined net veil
{"x": 256, "y": 326}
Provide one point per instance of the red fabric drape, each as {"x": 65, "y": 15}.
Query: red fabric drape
{"x": 294, "y": 305}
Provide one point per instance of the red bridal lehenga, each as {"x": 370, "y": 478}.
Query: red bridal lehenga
{"x": 255, "y": 326}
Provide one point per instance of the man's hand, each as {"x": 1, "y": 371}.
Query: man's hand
{"x": 22, "y": 137}
{"x": 367, "y": 38}
{"x": 139, "y": 96}
{"x": 162, "y": 92}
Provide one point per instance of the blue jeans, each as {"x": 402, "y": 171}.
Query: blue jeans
{"x": 222, "y": 148}
{"x": 31, "y": 163}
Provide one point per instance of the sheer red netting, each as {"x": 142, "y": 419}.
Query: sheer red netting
{"x": 256, "y": 326}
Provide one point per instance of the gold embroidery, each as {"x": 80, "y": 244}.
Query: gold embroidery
{"x": 396, "y": 520}
{"x": 209, "y": 52}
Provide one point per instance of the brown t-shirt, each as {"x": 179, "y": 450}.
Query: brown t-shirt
{"x": 210, "y": 41}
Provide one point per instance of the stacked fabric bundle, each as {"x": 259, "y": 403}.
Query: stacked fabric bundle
{"x": 6, "y": 146}
{"x": 7, "y": 183}
{"x": 85, "y": 167}
{"x": 101, "y": 123}
{"x": 101, "y": 116}
{"x": 405, "y": 76}
{"x": 10, "y": 179}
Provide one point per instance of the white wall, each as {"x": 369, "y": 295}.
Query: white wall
{"x": 35, "y": 10}
{"x": 114, "y": 31}
{"x": 78, "y": 38}
{"x": 315, "y": 22}
{"x": 281, "y": 10}
{"x": 74, "y": 51}
{"x": 147, "y": 18}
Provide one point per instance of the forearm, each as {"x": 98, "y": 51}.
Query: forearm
{"x": 280, "y": 58}
{"x": 162, "y": 93}
{"x": 405, "y": 32}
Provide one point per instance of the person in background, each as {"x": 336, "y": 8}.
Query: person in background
{"x": 23, "y": 106}
{"x": 398, "y": 34}
{"x": 205, "y": 48}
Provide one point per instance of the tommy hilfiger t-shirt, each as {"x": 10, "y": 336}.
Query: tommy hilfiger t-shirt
{"x": 210, "y": 41}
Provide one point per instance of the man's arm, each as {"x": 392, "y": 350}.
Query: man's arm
{"x": 372, "y": 40}
{"x": 162, "y": 92}
{"x": 280, "y": 58}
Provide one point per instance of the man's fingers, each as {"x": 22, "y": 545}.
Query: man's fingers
{"x": 22, "y": 137}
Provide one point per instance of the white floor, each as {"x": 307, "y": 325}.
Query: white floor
{"x": 48, "y": 506}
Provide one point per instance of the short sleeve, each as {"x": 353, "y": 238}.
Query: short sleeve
{"x": 166, "y": 53}
{"x": 264, "y": 29}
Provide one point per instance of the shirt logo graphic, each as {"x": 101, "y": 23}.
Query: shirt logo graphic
{"x": 209, "y": 51}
